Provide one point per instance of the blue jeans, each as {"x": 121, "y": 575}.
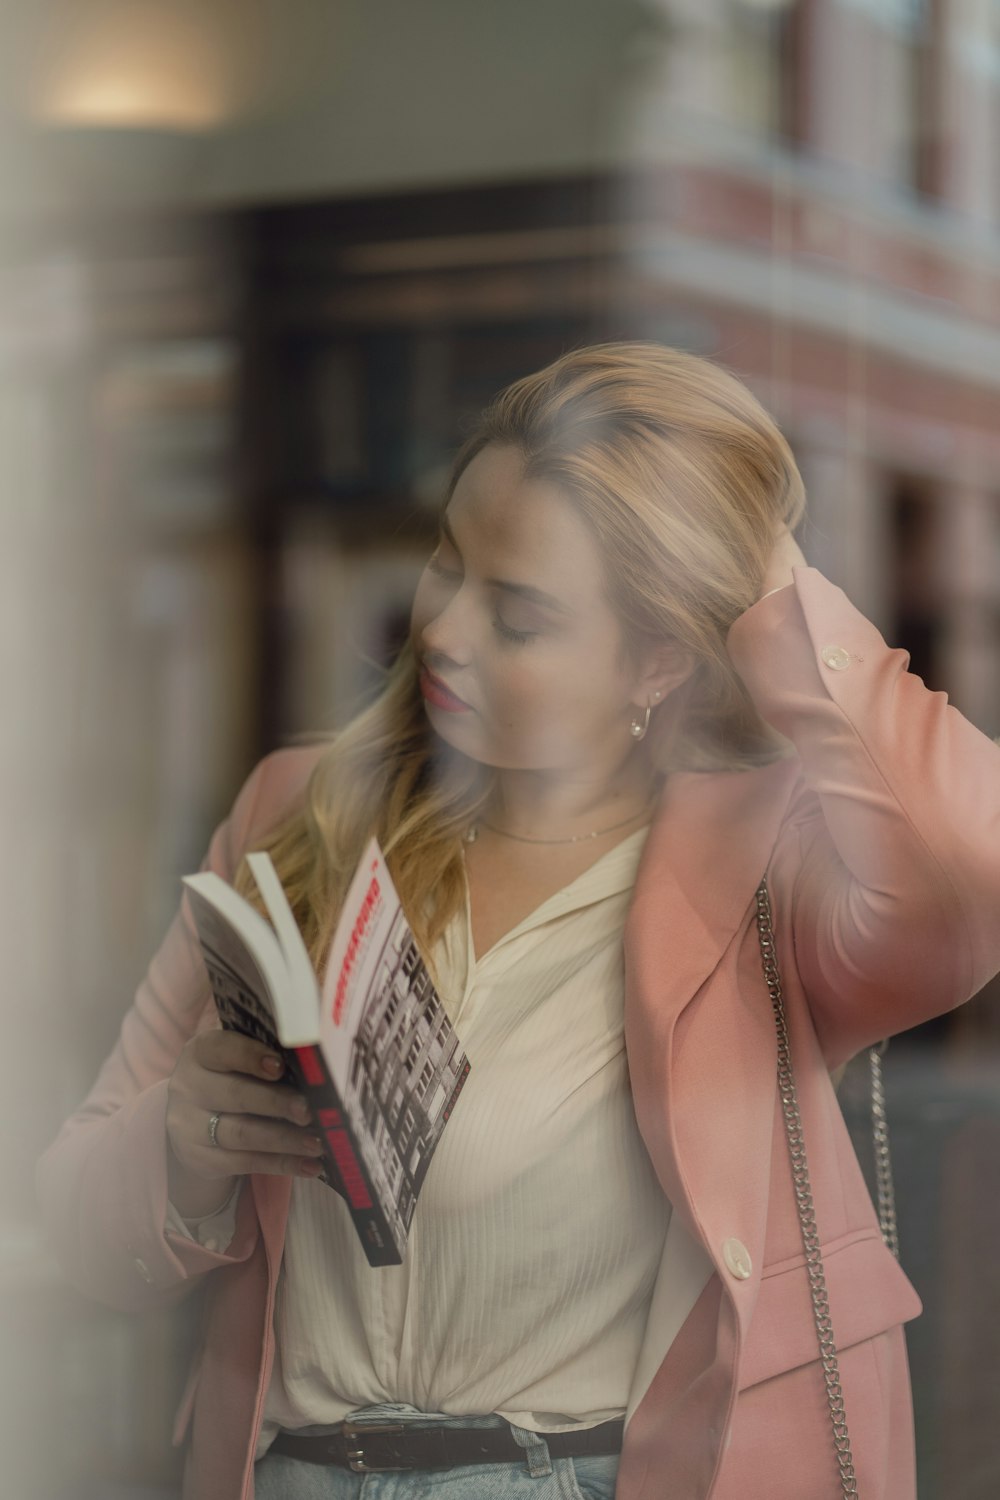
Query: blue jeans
{"x": 277, "y": 1477}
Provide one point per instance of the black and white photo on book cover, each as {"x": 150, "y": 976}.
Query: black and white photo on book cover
{"x": 406, "y": 1065}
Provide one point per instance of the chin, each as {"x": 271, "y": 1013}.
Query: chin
{"x": 464, "y": 735}
{"x": 450, "y": 749}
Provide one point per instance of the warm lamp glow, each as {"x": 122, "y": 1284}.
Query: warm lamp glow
{"x": 123, "y": 101}
{"x": 144, "y": 66}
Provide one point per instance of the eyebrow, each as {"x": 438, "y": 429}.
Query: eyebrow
{"x": 522, "y": 590}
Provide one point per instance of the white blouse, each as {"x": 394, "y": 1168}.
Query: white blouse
{"x": 539, "y": 1279}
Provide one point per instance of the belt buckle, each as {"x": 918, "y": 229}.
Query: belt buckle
{"x": 355, "y": 1450}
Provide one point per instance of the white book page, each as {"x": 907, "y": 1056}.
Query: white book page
{"x": 239, "y": 944}
{"x": 302, "y": 1013}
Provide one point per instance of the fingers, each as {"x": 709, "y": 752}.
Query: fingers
{"x": 785, "y": 555}
{"x": 245, "y": 1143}
{"x": 242, "y": 1163}
{"x": 225, "y": 1071}
{"x": 232, "y": 1052}
{"x": 263, "y": 1125}
{"x": 232, "y": 1094}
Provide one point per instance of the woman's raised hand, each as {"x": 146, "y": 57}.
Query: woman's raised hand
{"x": 786, "y": 555}
{"x": 263, "y": 1125}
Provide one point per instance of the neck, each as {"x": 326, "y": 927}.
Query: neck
{"x": 565, "y": 803}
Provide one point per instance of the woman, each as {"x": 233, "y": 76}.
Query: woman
{"x": 625, "y": 698}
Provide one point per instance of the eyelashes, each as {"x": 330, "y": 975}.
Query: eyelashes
{"x": 516, "y": 637}
{"x": 510, "y": 634}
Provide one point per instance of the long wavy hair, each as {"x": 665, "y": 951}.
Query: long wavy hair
{"x": 685, "y": 480}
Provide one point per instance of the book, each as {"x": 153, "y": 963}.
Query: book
{"x": 371, "y": 1048}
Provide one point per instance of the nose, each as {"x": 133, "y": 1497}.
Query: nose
{"x": 445, "y": 637}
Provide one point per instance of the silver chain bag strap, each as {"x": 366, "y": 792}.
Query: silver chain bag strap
{"x": 803, "y": 1189}
{"x": 880, "y": 1142}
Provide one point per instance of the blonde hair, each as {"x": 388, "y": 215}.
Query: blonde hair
{"x": 685, "y": 481}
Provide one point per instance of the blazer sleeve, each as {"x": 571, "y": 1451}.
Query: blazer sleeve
{"x": 894, "y": 841}
{"x": 102, "y": 1183}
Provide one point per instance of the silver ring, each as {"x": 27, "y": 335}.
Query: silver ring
{"x": 213, "y": 1129}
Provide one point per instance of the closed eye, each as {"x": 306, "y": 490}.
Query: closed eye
{"x": 510, "y": 634}
{"x": 518, "y": 637}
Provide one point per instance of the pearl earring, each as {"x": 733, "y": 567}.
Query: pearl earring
{"x": 637, "y": 730}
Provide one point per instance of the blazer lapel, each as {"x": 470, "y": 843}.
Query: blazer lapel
{"x": 696, "y": 1071}
{"x": 273, "y": 1195}
{"x": 704, "y": 858}
{"x": 706, "y": 852}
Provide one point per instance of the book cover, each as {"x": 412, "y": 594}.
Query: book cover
{"x": 373, "y": 1052}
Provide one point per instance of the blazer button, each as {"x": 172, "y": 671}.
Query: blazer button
{"x": 836, "y": 657}
{"x": 737, "y": 1258}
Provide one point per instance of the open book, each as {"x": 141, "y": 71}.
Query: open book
{"x": 374, "y": 1054}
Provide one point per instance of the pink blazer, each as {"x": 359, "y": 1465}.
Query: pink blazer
{"x": 881, "y": 842}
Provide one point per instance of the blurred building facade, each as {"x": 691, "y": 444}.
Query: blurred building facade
{"x": 235, "y": 359}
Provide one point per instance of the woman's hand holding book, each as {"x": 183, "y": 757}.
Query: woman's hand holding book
{"x": 262, "y": 1125}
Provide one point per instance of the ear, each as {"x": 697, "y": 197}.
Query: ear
{"x": 661, "y": 669}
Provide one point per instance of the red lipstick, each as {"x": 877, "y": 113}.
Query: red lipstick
{"x": 435, "y": 692}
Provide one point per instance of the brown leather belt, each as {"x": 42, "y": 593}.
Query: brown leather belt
{"x": 374, "y": 1447}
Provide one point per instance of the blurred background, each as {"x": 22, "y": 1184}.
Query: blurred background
{"x": 258, "y": 261}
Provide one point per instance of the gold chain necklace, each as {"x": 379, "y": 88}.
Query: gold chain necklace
{"x": 578, "y": 838}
